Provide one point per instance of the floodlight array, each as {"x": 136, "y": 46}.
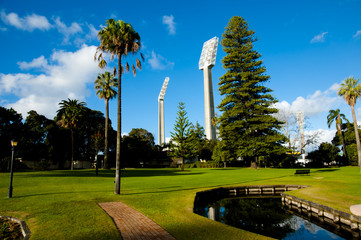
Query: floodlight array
{"x": 209, "y": 52}
{"x": 164, "y": 88}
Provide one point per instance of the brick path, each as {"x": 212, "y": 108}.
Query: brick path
{"x": 134, "y": 225}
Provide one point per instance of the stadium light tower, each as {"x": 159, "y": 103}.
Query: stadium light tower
{"x": 301, "y": 121}
{"x": 161, "y": 139}
{"x": 206, "y": 62}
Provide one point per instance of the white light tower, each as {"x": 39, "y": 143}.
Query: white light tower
{"x": 161, "y": 139}
{"x": 301, "y": 121}
{"x": 206, "y": 62}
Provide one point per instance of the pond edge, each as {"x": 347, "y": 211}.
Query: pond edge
{"x": 325, "y": 213}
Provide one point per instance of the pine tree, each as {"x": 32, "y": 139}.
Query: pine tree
{"x": 247, "y": 125}
{"x": 182, "y": 143}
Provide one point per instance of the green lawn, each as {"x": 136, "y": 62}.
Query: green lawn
{"x": 63, "y": 204}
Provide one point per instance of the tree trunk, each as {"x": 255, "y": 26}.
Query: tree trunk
{"x": 343, "y": 145}
{"x": 357, "y": 136}
{"x": 72, "y": 149}
{"x": 182, "y": 163}
{"x": 106, "y": 164}
{"x": 119, "y": 128}
{"x": 96, "y": 163}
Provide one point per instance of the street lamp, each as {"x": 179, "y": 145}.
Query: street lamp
{"x": 13, "y": 145}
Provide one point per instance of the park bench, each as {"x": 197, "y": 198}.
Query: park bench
{"x": 302, "y": 171}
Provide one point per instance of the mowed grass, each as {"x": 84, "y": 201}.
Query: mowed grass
{"x": 63, "y": 204}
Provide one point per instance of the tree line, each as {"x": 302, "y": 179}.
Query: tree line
{"x": 60, "y": 140}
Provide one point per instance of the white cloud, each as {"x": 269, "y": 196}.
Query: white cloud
{"x": 65, "y": 75}
{"x": 157, "y": 62}
{"x": 39, "y": 62}
{"x": 169, "y": 21}
{"x": 312, "y": 105}
{"x": 68, "y": 32}
{"x": 357, "y": 34}
{"x": 27, "y": 23}
{"x": 319, "y": 38}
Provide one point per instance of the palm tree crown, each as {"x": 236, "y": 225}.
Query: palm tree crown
{"x": 336, "y": 116}
{"x": 106, "y": 85}
{"x": 118, "y": 38}
{"x": 350, "y": 90}
{"x": 69, "y": 112}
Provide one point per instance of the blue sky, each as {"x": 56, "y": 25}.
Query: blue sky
{"x": 47, "y": 49}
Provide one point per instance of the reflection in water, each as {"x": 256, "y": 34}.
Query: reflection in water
{"x": 263, "y": 216}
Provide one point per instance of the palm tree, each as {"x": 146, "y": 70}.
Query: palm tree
{"x": 350, "y": 90}
{"x": 68, "y": 116}
{"x": 119, "y": 39}
{"x": 105, "y": 84}
{"x": 335, "y": 115}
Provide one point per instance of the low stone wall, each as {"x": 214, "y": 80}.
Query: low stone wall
{"x": 240, "y": 191}
{"x": 333, "y": 217}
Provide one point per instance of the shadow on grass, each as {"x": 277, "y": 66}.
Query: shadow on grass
{"x": 111, "y": 173}
{"x": 57, "y": 193}
{"x": 327, "y": 170}
{"x": 222, "y": 169}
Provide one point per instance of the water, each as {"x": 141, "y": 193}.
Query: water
{"x": 263, "y": 215}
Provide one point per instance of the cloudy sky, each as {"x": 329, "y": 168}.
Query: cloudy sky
{"x": 47, "y": 50}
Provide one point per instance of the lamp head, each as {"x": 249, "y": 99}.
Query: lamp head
{"x": 14, "y": 143}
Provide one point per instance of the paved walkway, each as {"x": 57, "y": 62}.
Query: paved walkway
{"x": 134, "y": 225}
{"x": 356, "y": 209}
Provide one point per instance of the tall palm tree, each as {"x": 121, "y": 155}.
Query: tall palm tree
{"x": 119, "y": 39}
{"x": 105, "y": 84}
{"x": 335, "y": 115}
{"x": 350, "y": 90}
{"x": 68, "y": 115}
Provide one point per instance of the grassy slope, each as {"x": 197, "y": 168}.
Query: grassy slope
{"x": 63, "y": 204}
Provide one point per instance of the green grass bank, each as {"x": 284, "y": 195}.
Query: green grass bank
{"x": 63, "y": 204}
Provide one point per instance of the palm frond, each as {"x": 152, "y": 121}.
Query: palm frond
{"x": 127, "y": 67}
{"x": 134, "y": 71}
{"x": 139, "y": 64}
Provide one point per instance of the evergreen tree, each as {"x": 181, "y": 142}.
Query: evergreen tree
{"x": 247, "y": 125}
{"x": 182, "y": 143}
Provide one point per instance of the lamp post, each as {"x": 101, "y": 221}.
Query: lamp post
{"x": 13, "y": 145}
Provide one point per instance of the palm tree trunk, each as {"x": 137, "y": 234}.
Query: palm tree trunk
{"x": 343, "y": 146}
{"x": 72, "y": 149}
{"x": 106, "y": 165}
{"x": 357, "y": 136}
{"x": 119, "y": 128}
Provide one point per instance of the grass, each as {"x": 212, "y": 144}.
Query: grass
{"x": 63, "y": 204}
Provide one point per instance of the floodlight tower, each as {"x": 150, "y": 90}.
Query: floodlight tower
{"x": 206, "y": 62}
{"x": 301, "y": 121}
{"x": 161, "y": 139}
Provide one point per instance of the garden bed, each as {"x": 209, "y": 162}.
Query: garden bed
{"x": 10, "y": 229}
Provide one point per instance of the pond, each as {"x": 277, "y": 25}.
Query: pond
{"x": 266, "y": 216}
